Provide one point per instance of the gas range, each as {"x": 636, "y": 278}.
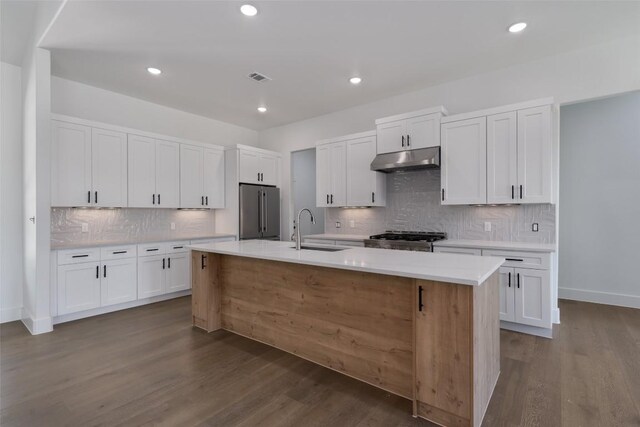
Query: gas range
{"x": 405, "y": 240}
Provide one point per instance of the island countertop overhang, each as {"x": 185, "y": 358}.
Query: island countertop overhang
{"x": 451, "y": 268}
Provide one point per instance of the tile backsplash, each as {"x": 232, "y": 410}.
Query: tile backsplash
{"x": 413, "y": 203}
{"x": 128, "y": 225}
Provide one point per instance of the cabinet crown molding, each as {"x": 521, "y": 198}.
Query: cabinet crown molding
{"x": 498, "y": 110}
{"x": 433, "y": 110}
{"x": 367, "y": 134}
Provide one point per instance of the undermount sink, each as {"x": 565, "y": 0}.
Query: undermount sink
{"x": 319, "y": 248}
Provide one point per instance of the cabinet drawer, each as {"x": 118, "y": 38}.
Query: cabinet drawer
{"x": 177, "y": 247}
{"x": 118, "y": 252}
{"x": 319, "y": 241}
{"x": 148, "y": 249}
{"x": 518, "y": 259}
{"x": 352, "y": 243}
{"x": 213, "y": 240}
{"x": 75, "y": 256}
{"x": 464, "y": 251}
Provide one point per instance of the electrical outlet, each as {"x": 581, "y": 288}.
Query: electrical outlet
{"x": 487, "y": 226}
{"x": 85, "y": 227}
{"x": 352, "y": 223}
{"x": 173, "y": 225}
{"x": 338, "y": 225}
{"x": 534, "y": 227}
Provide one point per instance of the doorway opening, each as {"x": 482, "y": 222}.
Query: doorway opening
{"x": 303, "y": 185}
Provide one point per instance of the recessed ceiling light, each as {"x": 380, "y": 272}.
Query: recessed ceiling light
{"x": 248, "y": 10}
{"x": 355, "y": 80}
{"x": 517, "y": 27}
{"x": 262, "y": 109}
{"x": 154, "y": 71}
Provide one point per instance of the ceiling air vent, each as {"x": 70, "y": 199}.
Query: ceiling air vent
{"x": 258, "y": 77}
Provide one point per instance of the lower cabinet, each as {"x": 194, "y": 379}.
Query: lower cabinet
{"x": 163, "y": 273}
{"x": 78, "y": 287}
{"x": 177, "y": 278}
{"x": 118, "y": 282}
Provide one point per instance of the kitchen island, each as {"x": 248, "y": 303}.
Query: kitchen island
{"x": 420, "y": 325}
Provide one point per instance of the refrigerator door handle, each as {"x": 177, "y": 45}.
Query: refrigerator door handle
{"x": 265, "y": 209}
{"x": 259, "y": 213}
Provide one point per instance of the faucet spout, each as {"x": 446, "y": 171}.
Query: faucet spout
{"x": 298, "y": 237}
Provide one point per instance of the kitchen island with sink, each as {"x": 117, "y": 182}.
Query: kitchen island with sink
{"x": 420, "y": 325}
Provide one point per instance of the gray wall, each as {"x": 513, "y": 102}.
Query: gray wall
{"x": 600, "y": 201}
{"x": 303, "y": 177}
{"x": 413, "y": 204}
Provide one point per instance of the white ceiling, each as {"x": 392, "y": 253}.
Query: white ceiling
{"x": 310, "y": 49}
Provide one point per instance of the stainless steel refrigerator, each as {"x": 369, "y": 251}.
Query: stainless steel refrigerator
{"x": 259, "y": 212}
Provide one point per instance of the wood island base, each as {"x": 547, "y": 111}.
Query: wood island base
{"x": 434, "y": 343}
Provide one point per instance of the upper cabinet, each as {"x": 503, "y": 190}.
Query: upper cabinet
{"x": 88, "y": 167}
{"x": 201, "y": 177}
{"x": 154, "y": 173}
{"x": 343, "y": 173}
{"x": 503, "y": 156}
{"x": 258, "y": 166}
{"x": 411, "y": 131}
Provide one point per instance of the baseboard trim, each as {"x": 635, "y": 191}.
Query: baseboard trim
{"x": 609, "y": 298}
{"x": 555, "y": 316}
{"x": 117, "y": 307}
{"x": 10, "y": 314}
{"x": 37, "y": 326}
{"x": 526, "y": 329}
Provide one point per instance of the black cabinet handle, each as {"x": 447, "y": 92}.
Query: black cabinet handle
{"x": 202, "y": 259}
{"x": 152, "y": 250}
{"x": 158, "y": 199}
{"x": 178, "y": 247}
{"x": 104, "y": 270}
{"x": 79, "y": 256}
{"x": 163, "y": 263}
{"x": 206, "y": 200}
{"x": 443, "y": 194}
{"x": 408, "y": 139}
{"x": 88, "y": 196}
{"x": 521, "y": 191}
{"x": 332, "y": 199}
{"x": 202, "y": 201}
{"x": 95, "y": 197}
{"x": 169, "y": 262}
{"x": 420, "y": 304}
{"x": 97, "y": 271}
{"x": 512, "y": 192}
{"x": 514, "y": 259}
{"x": 327, "y": 199}
{"x": 518, "y": 277}
{"x": 509, "y": 279}
{"x": 258, "y": 176}
{"x": 154, "y": 199}
{"x": 373, "y": 197}
{"x": 119, "y": 252}
{"x": 403, "y": 140}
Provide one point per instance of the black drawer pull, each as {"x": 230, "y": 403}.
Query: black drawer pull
{"x": 509, "y": 279}
{"x": 120, "y": 252}
{"x": 420, "y": 304}
{"x": 79, "y": 256}
{"x": 152, "y": 250}
{"x": 178, "y": 247}
{"x": 514, "y": 259}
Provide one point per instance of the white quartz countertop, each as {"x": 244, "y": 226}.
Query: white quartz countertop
{"x": 489, "y": 244}
{"x": 80, "y": 245}
{"x": 452, "y": 268}
{"x": 334, "y": 236}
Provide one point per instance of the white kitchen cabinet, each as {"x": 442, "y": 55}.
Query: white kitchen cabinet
{"x": 178, "y": 278}
{"x": 464, "y": 162}
{"x": 119, "y": 281}
{"x": 534, "y": 155}
{"x": 89, "y": 166}
{"x": 154, "y": 173}
{"x": 151, "y": 275}
{"x": 257, "y": 167}
{"x": 507, "y": 294}
{"x": 201, "y": 177}
{"x": 323, "y": 175}
{"x": 411, "y": 131}
{"x": 331, "y": 174}
{"x": 364, "y": 186}
{"x": 78, "y": 287}
{"x": 532, "y": 298}
{"x": 502, "y": 158}
{"x": 461, "y": 251}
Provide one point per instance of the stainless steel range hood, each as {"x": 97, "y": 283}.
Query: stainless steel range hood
{"x": 423, "y": 158}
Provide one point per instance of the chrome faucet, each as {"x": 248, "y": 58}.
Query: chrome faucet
{"x": 297, "y": 225}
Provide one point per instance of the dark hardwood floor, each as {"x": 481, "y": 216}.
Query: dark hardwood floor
{"x": 148, "y": 366}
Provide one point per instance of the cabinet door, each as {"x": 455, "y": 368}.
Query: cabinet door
{"x": 323, "y": 176}
{"x": 167, "y": 174}
{"x": 338, "y": 157}
{"x": 214, "y": 178}
{"x": 119, "y": 281}
{"x": 507, "y": 294}
{"x": 109, "y": 168}
{"x": 191, "y": 176}
{"x": 141, "y": 160}
{"x": 268, "y": 169}
{"x": 533, "y": 297}
{"x": 423, "y": 131}
{"x": 70, "y": 164}
{"x": 78, "y": 287}
{"x": 464, "y": 162}
{"x": 178, "y": 272}
{"x": 151, "y": 276}
{"x": 249, "y": 167}
{"x": 361, "y": 180}
{"x": 534, "y": 155}
{"x": 502, "y": 158}
{"x": 391, "y": 137}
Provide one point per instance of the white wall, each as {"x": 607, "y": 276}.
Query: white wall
{"x": 11, "y": 217}
{"x": 303, "y": 173}
{"x": 583, "y": 74}
{"x": 91, "y": 103}
{"x": 600, "y": 193}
